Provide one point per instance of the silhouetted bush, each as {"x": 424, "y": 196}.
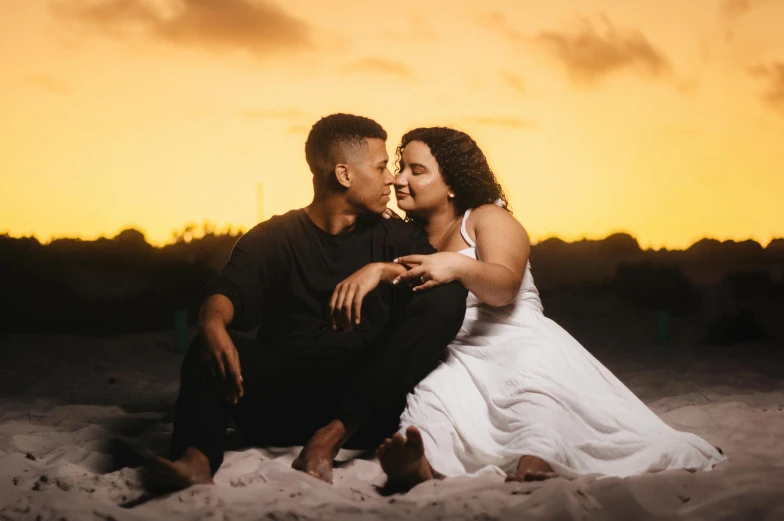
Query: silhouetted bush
{"x": 740, "y": 327}
{"x": 656, "y": 288}
{"x": 753, "y": 284}
{"x": 124, "y": 284}
{"x": 726, "y": 250}
{"x": 619, "y": 245}
{"x": 776, "y": 245}
{"x": 113, "y": 285}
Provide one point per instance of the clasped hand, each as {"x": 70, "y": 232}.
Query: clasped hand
{"x": 427, "y": 271}
{"x": 424, "y": 272}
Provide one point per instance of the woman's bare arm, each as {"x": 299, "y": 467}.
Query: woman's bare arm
{"x": 503, "y": 246}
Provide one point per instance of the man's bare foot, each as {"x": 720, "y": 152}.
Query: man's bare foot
{"x": 318, "y": 453}
{"x": 315, "y": 460}
{"x": 164, "y": 475}
{"x": 532, "y": 468}
{"x": 403, "y": 459}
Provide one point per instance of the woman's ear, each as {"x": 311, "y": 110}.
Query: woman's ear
{"x": 342, "y": 175}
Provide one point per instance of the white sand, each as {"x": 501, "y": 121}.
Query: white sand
{"x": 71, "y": 407}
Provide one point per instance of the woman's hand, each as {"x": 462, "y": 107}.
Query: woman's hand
{"x": 389, "y": 213}
{"x": 345, "y": 307}
{"x": 428, "y": 271}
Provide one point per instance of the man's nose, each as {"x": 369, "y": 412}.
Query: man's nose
{"x": 389, "y": 178}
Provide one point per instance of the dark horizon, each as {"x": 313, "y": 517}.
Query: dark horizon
{"x": 178, "y": 236}
{"x": 125, "y": 284}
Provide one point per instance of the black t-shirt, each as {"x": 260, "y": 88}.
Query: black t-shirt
{"x": 282, "y": 273}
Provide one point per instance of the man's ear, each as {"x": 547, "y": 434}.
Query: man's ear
{"x": 343, "y": 175}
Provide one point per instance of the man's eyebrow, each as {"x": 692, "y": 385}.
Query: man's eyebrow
{"x": 382, "y": 162}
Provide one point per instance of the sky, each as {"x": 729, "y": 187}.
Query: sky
{"x": 660, "y": 118}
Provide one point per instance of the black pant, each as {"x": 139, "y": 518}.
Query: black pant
{"x": 289, "y": 394}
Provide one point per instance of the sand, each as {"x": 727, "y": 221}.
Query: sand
{"x": 76, "y": 412}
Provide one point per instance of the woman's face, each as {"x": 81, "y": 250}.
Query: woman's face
{"x": 419, "y": 186}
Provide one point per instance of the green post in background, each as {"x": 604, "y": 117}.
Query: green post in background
{"x": 662, "y": 326}
{"x": 181, "y": 330}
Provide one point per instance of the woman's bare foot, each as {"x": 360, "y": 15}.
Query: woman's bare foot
{"x": 164, "y": 475}
{"x": 532, "y": 468}
{"x": 403, "y": 459}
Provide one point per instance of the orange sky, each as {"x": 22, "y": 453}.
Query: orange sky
{"x": 664, "y": 119}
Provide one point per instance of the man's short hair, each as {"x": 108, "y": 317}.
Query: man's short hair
{"x": 332, "y": 137}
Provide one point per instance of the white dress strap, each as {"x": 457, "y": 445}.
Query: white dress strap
{"x": 463, "y": 231}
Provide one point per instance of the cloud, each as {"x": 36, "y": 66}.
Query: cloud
{"x": 736, "y": 8}
{"x": 507, "y": 122}
{"x": 590, "y": 55}
{"x": 733, "y": 11}
{"x": 380, "y": 66}
{"x": 774, "y": 74}
{"x": 258, "y": 27}
{"x": 515, "y": 81}
{"x": 263, "y": 114}
{"x": 49, "y": 83}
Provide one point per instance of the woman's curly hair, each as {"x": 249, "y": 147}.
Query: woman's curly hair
{"x": 462, "y": 163}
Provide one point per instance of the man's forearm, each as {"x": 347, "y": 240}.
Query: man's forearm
{"x": 390, "y": 271}
{"x": 217, "y": 311}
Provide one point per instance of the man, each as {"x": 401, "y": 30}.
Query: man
{"x": 313, "y": 376}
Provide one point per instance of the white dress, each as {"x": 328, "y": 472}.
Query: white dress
{"x": 515, "y": 383}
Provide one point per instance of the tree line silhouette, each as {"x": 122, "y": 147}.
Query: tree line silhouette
{"x": 123, "y": 284}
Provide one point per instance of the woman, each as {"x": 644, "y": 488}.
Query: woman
{"x": 517, "y": 394}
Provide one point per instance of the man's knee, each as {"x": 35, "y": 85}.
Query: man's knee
{"x": 191, "y": 363}
{"x": 443, "y": 304}
{"x": 198, "y": 349}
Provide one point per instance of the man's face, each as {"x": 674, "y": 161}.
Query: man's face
{"x": 371, "y": 180}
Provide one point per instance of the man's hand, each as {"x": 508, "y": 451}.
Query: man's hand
{"x": 221, "y": 361}
{"x": 428, "y": 271}
{"x": 345, "y": 307}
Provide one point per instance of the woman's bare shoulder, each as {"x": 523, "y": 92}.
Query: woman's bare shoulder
{"x": 491, "y": 214}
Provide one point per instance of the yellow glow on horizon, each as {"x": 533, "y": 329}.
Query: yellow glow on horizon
{"x": 100, "y": 133}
